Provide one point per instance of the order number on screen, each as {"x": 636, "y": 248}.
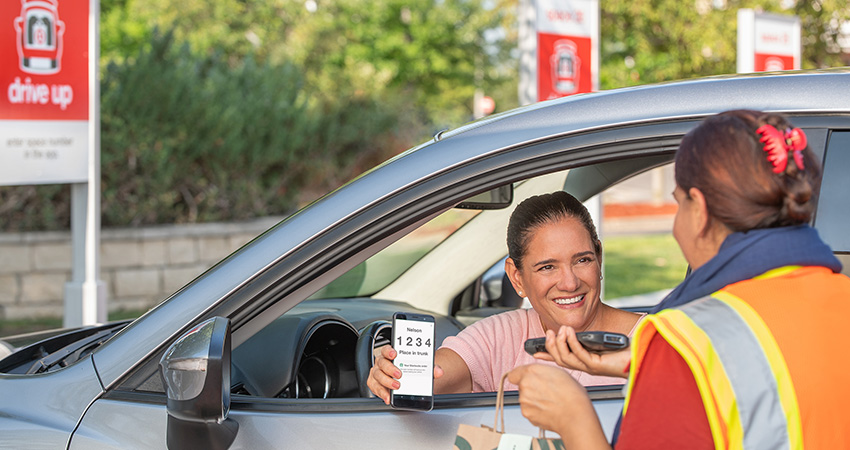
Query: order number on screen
{"x": 409, "y": 341}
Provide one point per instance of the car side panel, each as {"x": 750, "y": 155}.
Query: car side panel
{"x": 113, "y": 424}
{"x": 117, "y": 424}
{"x": 41, "y": 411}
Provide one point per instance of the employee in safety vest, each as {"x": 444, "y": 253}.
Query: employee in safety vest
{"x": 748, "y": 352}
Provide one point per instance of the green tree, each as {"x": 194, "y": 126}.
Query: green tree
{"x": 272, "y": 98}
{"x": 432, "y": 53}
{"x": 821, "y": 21}
{"x": 193, "y": 138}
{"x": 122, "y": 34}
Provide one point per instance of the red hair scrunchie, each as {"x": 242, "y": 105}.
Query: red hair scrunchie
{"x": 778, "y": 145}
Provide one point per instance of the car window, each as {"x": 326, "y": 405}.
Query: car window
{"x": 641, "y": 260}
{"x": 429, "y": 270}
{"x": 833, "y": 212}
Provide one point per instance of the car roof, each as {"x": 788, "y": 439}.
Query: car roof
{"x": 800, "y": 91}
{"x": 823, "y": 91}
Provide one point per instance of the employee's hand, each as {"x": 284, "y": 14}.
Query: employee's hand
{"x": 565, "y": 350}
{"x": 553, "y": 400}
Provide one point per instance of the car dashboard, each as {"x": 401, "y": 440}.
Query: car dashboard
{"x": 310, "y": 352}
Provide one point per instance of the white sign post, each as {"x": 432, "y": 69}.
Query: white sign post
{"x": 768, "y": 42}
{"x": 50, "y": 125}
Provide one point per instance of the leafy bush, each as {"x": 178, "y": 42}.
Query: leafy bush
{"x": 188, "y": 138}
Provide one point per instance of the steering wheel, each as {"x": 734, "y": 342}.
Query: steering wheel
{"x": 313, "y": 379}
{"x": 372, "y": 336}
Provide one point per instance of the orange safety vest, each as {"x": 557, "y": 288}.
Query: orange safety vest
{"x": 769, "y": 358}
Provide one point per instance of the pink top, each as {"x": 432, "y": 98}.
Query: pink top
{"x": 495, "y": 345}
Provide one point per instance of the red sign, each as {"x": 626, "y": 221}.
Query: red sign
{"x": 567, "y": 35}
{"x": 563, "y": 67}
{"x": 771, "y": 63}
{"x": 44, "y": 48}
{"x": 488, "y": 105}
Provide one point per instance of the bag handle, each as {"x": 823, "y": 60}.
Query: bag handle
{"x": 500, "y": 409}
{"x": 500, "y": 405}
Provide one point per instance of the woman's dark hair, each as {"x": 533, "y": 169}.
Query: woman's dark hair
{"x": 723, "y": 158}
{"x": 542, "y": 209}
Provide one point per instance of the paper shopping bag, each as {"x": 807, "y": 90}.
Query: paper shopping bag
{"x": 476, "y": 438}
{"x": 493, "y": 438}
{"x": 485, "y": 438}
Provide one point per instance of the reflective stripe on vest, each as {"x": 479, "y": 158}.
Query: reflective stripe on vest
{"x": 742, "y": 377}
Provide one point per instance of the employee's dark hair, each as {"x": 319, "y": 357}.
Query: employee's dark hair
{"x": 542, "y": 209}
{"x": 723, "y": 158}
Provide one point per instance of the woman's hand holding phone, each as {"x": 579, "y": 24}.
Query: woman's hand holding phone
{"x": 413, "y": 338}
{"x": 565, "y": 350}
{"x": 384, "y": 375}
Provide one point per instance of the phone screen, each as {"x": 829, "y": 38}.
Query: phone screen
{"x": 413, "y": 340}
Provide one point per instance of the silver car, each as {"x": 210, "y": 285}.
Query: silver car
{"x": 270, "y": 347}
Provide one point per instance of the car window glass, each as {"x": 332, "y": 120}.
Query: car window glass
{"x": 641, "y": 260}
{"x": 379, "y": 270}
{"x": 833, "y": 212}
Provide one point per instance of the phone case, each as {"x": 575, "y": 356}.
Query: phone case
{"x": 414, "y": 401}
{"x": 595, "y": 341}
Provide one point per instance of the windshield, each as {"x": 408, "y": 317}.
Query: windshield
{"x": 384, "y": 267}
{"x": 59, "y": 351}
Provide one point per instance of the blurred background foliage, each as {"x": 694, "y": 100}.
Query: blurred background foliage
{"x": 649, "y": 41}
{"x": 218, "y": 110}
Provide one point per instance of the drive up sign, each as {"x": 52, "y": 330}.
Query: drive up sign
{"x": 44, "y": 101}
{"x": 50, "y": 125}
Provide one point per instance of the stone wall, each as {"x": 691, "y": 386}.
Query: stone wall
{"x": 140, "y": 266}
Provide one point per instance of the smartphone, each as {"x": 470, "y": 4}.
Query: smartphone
{"x": 413, "y": 340}
{"x": 594, "y": 341}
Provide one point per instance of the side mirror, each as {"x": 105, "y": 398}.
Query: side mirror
{"x": 196, "y": 372}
